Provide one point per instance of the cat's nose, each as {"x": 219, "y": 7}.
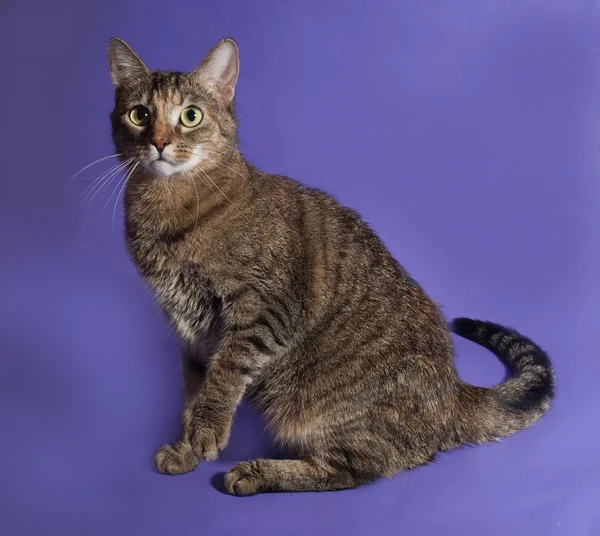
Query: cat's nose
{"x": 160, "y": 143}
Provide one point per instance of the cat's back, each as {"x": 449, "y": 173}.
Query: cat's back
{"x": 342, "y": 258}
{"x": 323, "y": 222}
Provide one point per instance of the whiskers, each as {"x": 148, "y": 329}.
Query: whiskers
{"x": 125, "y": 180}
{"x": 210, "y": 183}
{"x": 217, "y": 187}
{"x": 191, "y": 178}
{"x": 224, "y": 167}
{"x": 116, "y": 155}
{"x": 103, "y": 181}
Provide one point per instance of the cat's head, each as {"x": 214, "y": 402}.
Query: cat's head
{"x": 170, "y": 122}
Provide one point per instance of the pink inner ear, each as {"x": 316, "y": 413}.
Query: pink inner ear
{"x": 219, "y": 70}
{"x": 227, "y": 95}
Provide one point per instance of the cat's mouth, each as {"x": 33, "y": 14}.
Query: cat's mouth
{"x": 163, "y": 167}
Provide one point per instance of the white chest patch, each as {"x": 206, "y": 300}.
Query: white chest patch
{"x": 189, "y": 302}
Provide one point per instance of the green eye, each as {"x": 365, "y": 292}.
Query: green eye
{"x": 139, "y": 115}
{"x": 191, "y": 117}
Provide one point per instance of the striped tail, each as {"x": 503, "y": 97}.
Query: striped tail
{"x": 487, "y": 414}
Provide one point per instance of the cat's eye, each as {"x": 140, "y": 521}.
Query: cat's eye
{"x": 139, "y": 115}
{"x": 191, "y": 117}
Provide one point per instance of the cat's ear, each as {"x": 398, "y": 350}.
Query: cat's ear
{"x": 219, "y": 70}
{"x": 124, "y": 63}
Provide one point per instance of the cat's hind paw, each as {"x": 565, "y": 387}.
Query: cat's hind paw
{"x": 245, "y": 478}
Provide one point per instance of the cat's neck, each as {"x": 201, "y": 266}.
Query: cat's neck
{"x": 179, "y": 201}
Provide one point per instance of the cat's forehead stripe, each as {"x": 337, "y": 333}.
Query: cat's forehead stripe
{"x": 166, "y": 87}
{"x": 163, "y": 80}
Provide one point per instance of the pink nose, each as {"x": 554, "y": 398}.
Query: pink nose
{"x": 160, "y": 143}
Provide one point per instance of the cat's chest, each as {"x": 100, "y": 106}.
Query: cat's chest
{"x": 185, "y": 294}
{"x": 188, "y": 299}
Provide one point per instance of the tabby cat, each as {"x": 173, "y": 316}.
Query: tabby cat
{"x": 284, "y": 297}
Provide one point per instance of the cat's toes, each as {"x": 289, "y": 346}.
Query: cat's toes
{"x": 176, "y": 459}
{"x": 208, "y": 439}
{"x": 245, "y": 478}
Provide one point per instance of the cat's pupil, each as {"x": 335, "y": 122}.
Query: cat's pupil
{"x": 191, "y": 115}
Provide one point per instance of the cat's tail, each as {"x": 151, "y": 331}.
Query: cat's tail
{"x": 489, "y": 413}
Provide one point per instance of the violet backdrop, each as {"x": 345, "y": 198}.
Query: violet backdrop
{"x": 467, "y": 133}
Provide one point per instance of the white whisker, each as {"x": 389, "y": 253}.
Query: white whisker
{"x": 208, "y": 185}
{"x": 217, "y": 187}
{"x": 127, "y": 177}
{"x": 95, "y": 182}
{"x": 101, "y": 184}
{"x": 94, "y": 163}
{"x": 114, "y": 190}
{"x": 229, "y": 168}
{"x": 232, "y": 146}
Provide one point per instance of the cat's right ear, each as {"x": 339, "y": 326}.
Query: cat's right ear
{"x": 124, "y": 63}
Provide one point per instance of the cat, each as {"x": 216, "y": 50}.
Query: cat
{"x": 284, "y": 297}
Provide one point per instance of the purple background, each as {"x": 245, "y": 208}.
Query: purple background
{"x": 466, "y": 132}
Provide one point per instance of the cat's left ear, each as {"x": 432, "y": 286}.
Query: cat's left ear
{"x": 219, "y": 70}
{"x": 124, "y": 63}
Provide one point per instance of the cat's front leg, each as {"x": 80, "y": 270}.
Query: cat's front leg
{"x": 178, "y": 457}
{"x": 229, "y": 373}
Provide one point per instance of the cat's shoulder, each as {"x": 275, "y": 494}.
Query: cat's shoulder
{"x": 290, "y": 189}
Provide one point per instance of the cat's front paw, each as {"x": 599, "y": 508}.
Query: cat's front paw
{"x": 208, "y": 439}
{"x": 176, "y": 459}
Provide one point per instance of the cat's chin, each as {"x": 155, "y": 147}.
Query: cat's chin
{"x": 162, "y": 168}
